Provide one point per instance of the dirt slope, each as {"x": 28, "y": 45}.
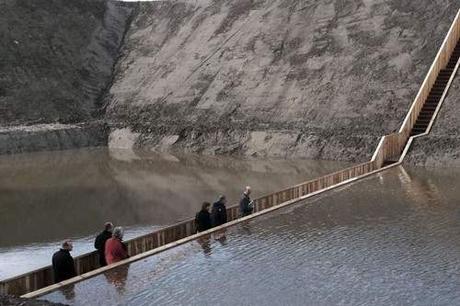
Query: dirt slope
{"x": 317, "y": 79}
{"x": 56, "y": 58}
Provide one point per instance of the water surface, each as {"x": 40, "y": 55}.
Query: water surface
{"x": 392, "y": 239}
{"x": 49, "y": 196}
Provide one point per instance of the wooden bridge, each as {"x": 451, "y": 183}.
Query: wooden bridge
{"x": 389, "y": 153}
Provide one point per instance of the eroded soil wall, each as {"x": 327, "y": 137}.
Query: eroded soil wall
{"x": 315, "y": 79}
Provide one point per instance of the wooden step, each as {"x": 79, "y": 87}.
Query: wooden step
{"x": 432, "y": 101}
{"x": 423, "y": 122}
{"x": 424, "y": 116}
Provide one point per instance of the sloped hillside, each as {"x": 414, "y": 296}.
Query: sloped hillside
{"x": 56, "y": 58}
{"x": 316, "y": 79}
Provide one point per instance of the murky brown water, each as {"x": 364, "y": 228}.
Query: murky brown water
{"x": 47, "y": 197}
{"x": 393, "y": 239}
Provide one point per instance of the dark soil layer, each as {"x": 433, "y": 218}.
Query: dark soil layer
{"x": 52, "y": 137}
{"x": 56, "y": 58}
{"x": 12, "y": 301}
{"x": 289, "y": 78}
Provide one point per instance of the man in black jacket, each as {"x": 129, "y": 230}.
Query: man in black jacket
{"x": 203, "y": 218}
{"x": 219, "y": 212}
{"x": 63, "y": 265}
{"x": 99, "y": 243}
{"x": 246, "y": 205}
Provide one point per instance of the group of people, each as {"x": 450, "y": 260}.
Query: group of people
{"x": 206, "y": 219}
{"x": 111, "y": 249}
{"x": 109, "y": 245}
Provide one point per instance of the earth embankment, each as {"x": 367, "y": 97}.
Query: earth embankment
{"x": 314, "y": 79}
{"x": 56, "y": 63}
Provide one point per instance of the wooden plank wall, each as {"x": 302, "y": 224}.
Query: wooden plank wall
{"x": 43, "y": 277}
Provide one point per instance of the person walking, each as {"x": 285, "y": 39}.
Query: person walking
{"x": 246, "y": 205}
{"x": 99, "y": 242}
{"x": 219, "y": 212}
{"x": 203, "y": 218}
{"x": 115, "y": 249}
{"x": 63, "y": 264}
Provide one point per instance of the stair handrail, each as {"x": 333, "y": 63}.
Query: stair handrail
{"x": 436, "y": 112}
{"x": 392, "y": 145}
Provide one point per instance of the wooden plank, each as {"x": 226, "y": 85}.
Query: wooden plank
{"x": 130, "y": 260}
{"x": 388, "y": 147}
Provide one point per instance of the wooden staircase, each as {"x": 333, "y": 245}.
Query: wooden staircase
{"x": 431, "y": 103}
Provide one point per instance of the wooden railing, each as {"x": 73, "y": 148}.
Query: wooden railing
{"x": 43, "y": 277}
{"x": 391, "y": 146}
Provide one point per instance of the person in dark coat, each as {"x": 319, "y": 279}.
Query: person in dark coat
{"x": 99, "y": 243}
{"x": 63, "y": 265}
{"x": 203, "y": 218}
{"x": 219, "y": 212}
{"x": 246, "y": 205}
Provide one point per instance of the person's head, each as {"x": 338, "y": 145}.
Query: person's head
{"x": 222, "y": 199}
{"x": 205, "y": 206}
{"x": 67, "y": 245}
{"x": 108, "y": 226}
{"x": 118, "y": 232}
{"x": 247, "y": 190}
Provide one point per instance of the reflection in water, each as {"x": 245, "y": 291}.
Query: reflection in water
{"x": 363, "y": 245}
{"x": 420, "y": 189}
{"x": 205, "y": 243}
{"x": 118, "y": 278}
{"x": 49, "y": 196}
{"x": 221, "y": 236}
{"x": 68, "y": 292}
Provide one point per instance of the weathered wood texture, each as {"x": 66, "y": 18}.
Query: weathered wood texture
{"x": 43, "y": 277}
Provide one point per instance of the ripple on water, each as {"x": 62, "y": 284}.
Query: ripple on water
{"x": 378, "y": 242}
